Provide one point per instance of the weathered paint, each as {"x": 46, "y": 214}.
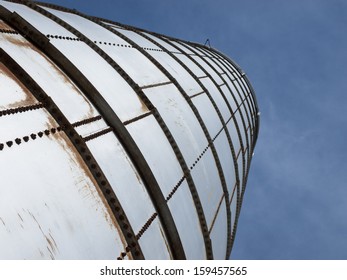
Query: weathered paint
{"x": 56, "y": 202}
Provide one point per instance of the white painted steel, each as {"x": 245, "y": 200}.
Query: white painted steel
{"x": 111, "y": 85}
{"x": 218, "y": 234}
{"x": 40, "y": 22}
{"x": 225, "y": 156}
{"x": 217, "y": 98}
{"x": 124, "y": 179}
{"x": 180, "y": 119}
{"x": 53, "y": 210}
{"x": 189, "y": 227}
{"x": 153, "y": 144}
{"x": 91, "y": 128}
{"x": 208, "y": 114}
{"x": 56, "y": 203}
{"x": 64, "y": 93}
{"x": 208, "y": 184}
{"x": 129, "y": 59}
{"x": 204, "y": 65}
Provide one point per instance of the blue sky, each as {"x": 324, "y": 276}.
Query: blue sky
{"x": 295, "y": 54}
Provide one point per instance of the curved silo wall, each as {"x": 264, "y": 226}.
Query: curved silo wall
{"x": 116, "y": 142}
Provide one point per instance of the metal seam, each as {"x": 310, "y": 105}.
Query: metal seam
{"x": 153, "y": 187}
{"x": 21, "y": 109}
{"x": 216, "y": 85}
{"x": 183, "y": 93}
{"x": 97, "y": 134}
{"x": 80, "y": 146}
{"x": 213, "y": 80}
{"x": 22, "y": 26}
{"x": 150, "y": 220}
{"x": 256, "y": 127}
{"x": 138, "y": 118}
{"x": 197, "y": 79}
{"x": 219, "y": 63}
{"x": 168, "y": 134}
{"x": 254, "y": 101}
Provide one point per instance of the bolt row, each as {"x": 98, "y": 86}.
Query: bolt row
{"x": 20, "y": 109}
{"x": 32, "y": 136}
{"x": 97, "y": 134}
{"x": 7, "y": 31}
{"x": 99, "y": 42}
{"x": 86, "y": 121}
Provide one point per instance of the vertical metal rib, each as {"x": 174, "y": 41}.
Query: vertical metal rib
{"x": 232, "y": 114}
{"x": 94, "y": 96}
{"x": 244, "y": 124}
{"x": 77, "y": 141}
{"x": 204, "y": 89}
{"x": 180, "y": 158}
{"x": 220, "y": 63}
{"x": 256, "y": 110}
{"x": 130, "y": 146}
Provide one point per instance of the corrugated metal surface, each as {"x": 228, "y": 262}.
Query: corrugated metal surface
{"x": 189, "y": 113}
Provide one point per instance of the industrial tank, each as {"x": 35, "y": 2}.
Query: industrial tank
{"x": 117, "y": 142}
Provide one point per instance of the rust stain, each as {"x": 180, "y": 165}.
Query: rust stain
{"x": 22, "y": 42}
{"x": 52, "y": 245}
{"x": 143, "y": 108}
{"x": 29, "y": 98}
{"x": 76, "y": 160}
{"x": 3, "y": 25}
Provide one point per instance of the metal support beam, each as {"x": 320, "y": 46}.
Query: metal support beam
{"x": 128, "y": 143}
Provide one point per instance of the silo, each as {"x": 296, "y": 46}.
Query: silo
{"x": 117, "y": 142}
